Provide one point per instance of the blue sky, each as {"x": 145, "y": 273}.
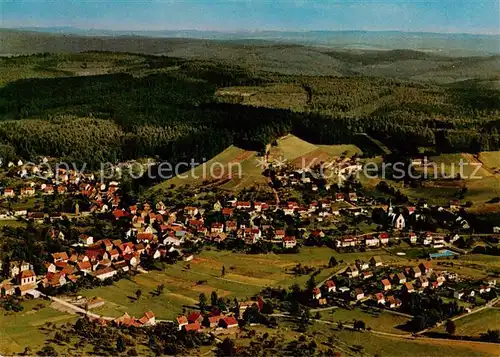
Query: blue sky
{"x": 465, "y": 16}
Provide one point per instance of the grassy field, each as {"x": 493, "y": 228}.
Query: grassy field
{"x": 474, "y": 325}
{"x": 379, "y": 321}
{"x": 226, "y": 170}
{"x": 345, "y": 341}
{"x": 18, "y": 330}
{"x": 246, "y": 275}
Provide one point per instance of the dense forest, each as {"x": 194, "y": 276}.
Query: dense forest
{"x": 175, "y": 114}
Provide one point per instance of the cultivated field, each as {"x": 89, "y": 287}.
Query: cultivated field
{"x": 235, "y": 169}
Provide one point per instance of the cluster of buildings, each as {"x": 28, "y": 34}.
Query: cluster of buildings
{"x": 388, "y": 286}
{"x": 197, "y": 322}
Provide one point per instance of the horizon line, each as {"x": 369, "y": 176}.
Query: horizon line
{"x": 241, "y": 31}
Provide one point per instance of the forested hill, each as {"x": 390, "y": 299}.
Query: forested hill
{"x": 172, "y": 109}
{"x": 292, "y": 57}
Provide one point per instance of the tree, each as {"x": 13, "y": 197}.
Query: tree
{"x": 214, "y": 298}
{"x": 226, "y": 348}
{"x": 311, "y": 284}
{"x": 450, "y": 327}
{"x": 332, "y": 262}
{"x": 491, "y": 336}
{"x": 159, "y": 289}
{"x": 138, "y": 294}
{"x": 223, "y": 272}
{"x": 120, "y": 344}
{"x": 202, "y": 302}
{"x": 359, "y": 325}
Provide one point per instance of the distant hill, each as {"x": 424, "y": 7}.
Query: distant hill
{"x": 447, "y": 44}
{"x": 257, "y": 54}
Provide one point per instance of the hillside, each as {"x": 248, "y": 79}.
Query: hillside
{"x": 292, "y": 58}
{"x": 177, "y": 109}
{"x": 235, "y": 169}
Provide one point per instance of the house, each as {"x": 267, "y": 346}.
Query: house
{"x": 60, "y": 257}
{"x": 181, "y": 321}
{"x": 105, "y": 273}
{"x": 84, "y": 267}
{"x": 54, "y": 280}
{"x": 212, "y": 321}
{"x": 376, "y": 261}
{"x": 243, "y": 205}
{"x": 358, "y": 294}
{"x": 367, "y": 275}
{"x": 484, "y": 289}
{"x": 231, "y": 226}
{"x": 454, "y": 205}
{"x": 399, "y": 278}
{"x": 339, "y": 197}
{"x": 386, "y": 284}
{"x": 408, "y": 287}
{"x": 27, "y": 277}
{"x": 228, "y": 322}
{"x": 148, "y": 319}
{"x": 353, "y": 197}
{"x": 195, "y": 317}
{"x": 399, "y": 222}
{"x": 7, "y": 288}
{"x": 439, "y": 277}
{"x": 414, "y": 272}
{"x": 362, "y": 265}
{"x": 490, "y": 281}
{"x": 187, "y": 257}
{"x": 330, "y": 286}
{"x": 279, "y": 234}
{"x": 85, "y": 239}
{"x": 352, "y": 271}
{"x": 379, "y": 298}
{"x": 289, "y": 242}
{"x": 422, "y": 282}
{"x": 27, "y": 191}
{"x": 8, "y": 192}
{"x": 425, "y": 268}
{"x": 413, "y": 237}
{"x": 316, "y": 293}
{"x": 437, "y": 242}
{"x": 384, "y": 238}
{"x": 191, "y": 211}
{"x": 427, "y": 239}
{"x": 227, "y": 211}
{"x": 195, "y": 326}
{"x": 458, "y": 294}
{"x": 371, "y": 241}
{"x": 217, "y": 228}
{"x": 346, "y": 242}
{"x": 392, "y": 302}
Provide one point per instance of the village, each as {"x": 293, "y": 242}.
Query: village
{"x": 157, "y": 232}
